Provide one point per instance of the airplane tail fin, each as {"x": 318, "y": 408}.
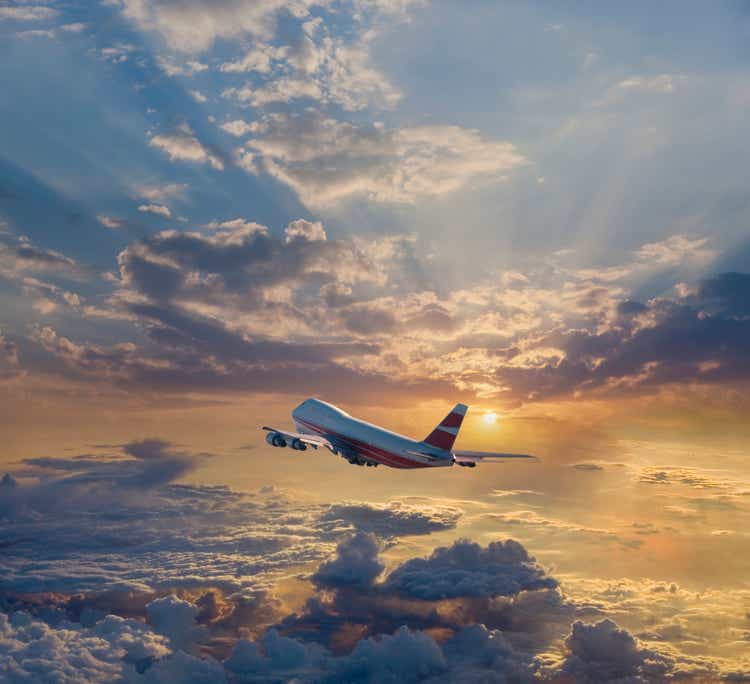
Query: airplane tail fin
{"x": 445, "y": 434}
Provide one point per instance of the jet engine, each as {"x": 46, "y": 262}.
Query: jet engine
{"x": 298, "y": 445}
{"x": 275, "y": 439}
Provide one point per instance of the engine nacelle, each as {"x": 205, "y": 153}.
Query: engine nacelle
{"x": 275, "y": 439}
{"x": 298, "y": 445}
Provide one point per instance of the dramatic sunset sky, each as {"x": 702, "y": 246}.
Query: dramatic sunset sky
{"x": 211, "y": 210}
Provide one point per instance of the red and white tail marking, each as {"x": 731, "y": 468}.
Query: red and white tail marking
{"x": 444, "y": 435}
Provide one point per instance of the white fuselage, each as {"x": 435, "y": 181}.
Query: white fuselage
{"x": 358, "y": 439}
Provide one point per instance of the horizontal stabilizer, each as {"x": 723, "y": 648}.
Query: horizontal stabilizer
{"x": 486, "y": 456}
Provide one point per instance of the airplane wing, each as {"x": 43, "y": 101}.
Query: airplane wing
{"x": 473, "y": 457}
{"x": 314, "y": 441}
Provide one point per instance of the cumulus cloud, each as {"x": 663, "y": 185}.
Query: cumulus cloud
{"x": 604, "y": 652}
{"x": 158, "y": 209}
{"x": 356, "y": 564}
{"x": 110, "y": 221}
{"x": 176, "y": 619}
{"x": 182, "y": 145}
{"x": 368, "y": 633}
{"x": 423, "y": 595}
{"x": 327, "y": 161}
{"x": 467, "y": 569}
{"x": 32, "y": 650}
{"x": 307, "y": 231}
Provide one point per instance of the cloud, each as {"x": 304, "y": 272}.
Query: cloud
{"x": 176, "y": 619}
{"x": 404, "y": 656}
{"x": 198, "y": 96}
{"x": 356, "y": 564}
{"x": 191, "y": 26}
{"x": 698, "y": 338}
{"x": 23, "y": 255}
{"x": 27, "y": 12}
{"x": 110, "y": 221}
{"x": 306, "y": 231}
{"x": 10, "y": 366}
{"x": 662, "y": 83}
{"x": 327, "y": 161}
{"x": 32, "y": 650}
{"x": 188, "y": 68}
{"x": 218, "y": 306}
{"x": 370, "y": 633}
{"x": 467, "y": 569}
{"x": 239, "y": 128}
{"x": 476, "y": 587}
{"x": 158, "y": 209}
{"x": 182, "y": 145}
{"x": 161, "y": 192}
{"x": 394, "y": 519}
{"x": 605, "y": 652}
{"x": 319, "y": 67}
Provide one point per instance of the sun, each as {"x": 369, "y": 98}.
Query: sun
{"x": 490, "y": 418}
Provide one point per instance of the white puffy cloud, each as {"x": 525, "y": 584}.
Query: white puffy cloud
{"x": 110, "y": 221}
{"x": 33, "y": 651}
{"x": 175, "y": 619}
{"x": 182, "y": 145}
{"x": 327, "y": 161}
{"x": 198, "y": 96}
{"x": 306, "y": 231}
{"x": 158, "y": 209}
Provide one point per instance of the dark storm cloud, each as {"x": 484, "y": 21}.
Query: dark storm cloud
{"x": 703, "y": 337}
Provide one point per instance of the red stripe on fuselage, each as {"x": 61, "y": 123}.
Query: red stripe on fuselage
{"x": 367, "y": 450}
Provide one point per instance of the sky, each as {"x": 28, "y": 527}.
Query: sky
{"x": 210, "y": 211}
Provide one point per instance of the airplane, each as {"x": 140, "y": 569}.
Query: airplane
{"x": 321, "y": 424}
